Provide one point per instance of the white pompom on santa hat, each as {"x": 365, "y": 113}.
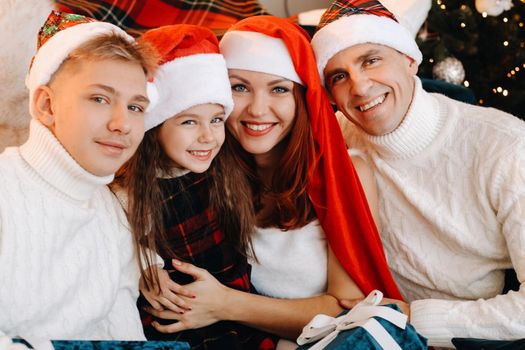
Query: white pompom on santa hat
{"x": 191, "y": 72}
{"x": 353, "y": 22}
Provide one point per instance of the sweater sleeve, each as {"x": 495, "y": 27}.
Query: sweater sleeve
{"x": 503, "y": 316}
{"x": 124, "y": 319}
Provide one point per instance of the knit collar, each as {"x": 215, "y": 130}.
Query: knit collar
{"x": 46, "y": 155}
{"x": 417, "y": 130}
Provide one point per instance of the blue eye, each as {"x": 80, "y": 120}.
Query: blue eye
{"x": 239, "y": 88}
{"x": 217, "y": 120}
{"x": 280, "y": 90}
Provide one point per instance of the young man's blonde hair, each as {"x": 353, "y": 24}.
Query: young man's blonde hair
{"x": 114, "y": 47}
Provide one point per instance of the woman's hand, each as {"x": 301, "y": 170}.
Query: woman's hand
{"x": 170, "y": 296}
{"x": 206, "y": 307}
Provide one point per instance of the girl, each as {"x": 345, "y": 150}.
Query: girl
{"x": 285, "y": 137}
{"x": 172, "y": 196}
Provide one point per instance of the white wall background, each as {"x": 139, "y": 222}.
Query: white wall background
{"x": 284, "y": 8}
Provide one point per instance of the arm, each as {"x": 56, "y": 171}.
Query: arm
{"x": 284, "y": 317}
{"x": 503, "y": 316}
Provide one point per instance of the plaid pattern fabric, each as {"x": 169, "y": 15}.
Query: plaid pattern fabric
{"x": 195, "y": 237}
{"x": 342, "y": 8}
{"x": 136, "y": 16}
{"x": 58, "y": 21}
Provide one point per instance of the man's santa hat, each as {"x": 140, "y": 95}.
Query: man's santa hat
{"x": 333, "y": 184}
{"x": 191, "y": 72}
{"x": 352, "y": 22}
{"x": 61, "y": 34}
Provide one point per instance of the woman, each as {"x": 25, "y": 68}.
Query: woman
{"x": 286, "y": 138}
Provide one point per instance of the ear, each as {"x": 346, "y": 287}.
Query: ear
{"x": 43, "y": 105}
{"x": 412, "y": 66}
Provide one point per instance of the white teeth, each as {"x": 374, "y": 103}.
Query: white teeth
{"x": 258, "y": 127}
{"x": 200, "y": 153}
{"x": 373, "y": 103}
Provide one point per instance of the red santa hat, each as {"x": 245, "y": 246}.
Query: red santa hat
{"x": 61, "y": 34}
{"x": 191, "y": 72}
{"x": 351, "y": 22}
{"x": 334, "y": 187}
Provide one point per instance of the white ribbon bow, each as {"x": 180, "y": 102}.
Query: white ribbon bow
{"x": 327, "y": 328}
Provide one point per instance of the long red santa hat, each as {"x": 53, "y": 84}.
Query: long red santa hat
{"x": 334, "y": 186}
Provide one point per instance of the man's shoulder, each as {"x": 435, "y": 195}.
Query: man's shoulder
{"x": 488, "y": 117}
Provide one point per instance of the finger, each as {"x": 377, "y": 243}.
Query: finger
{"x": 175, "y": 304}
{"x": 189, "y": 269}
{"x": 170, "y": 328}
{"x": 154, "y": 303}
{"x": 164, "y": 314}
{"x": 178, "y": 289}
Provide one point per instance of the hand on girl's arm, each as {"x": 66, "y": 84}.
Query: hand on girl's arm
{"x": 202, "y": 310}
{"x": 169, "y": 297}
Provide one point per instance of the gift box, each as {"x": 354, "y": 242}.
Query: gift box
{"x": 113, "y": 345}
{"x": 367, "y": 326}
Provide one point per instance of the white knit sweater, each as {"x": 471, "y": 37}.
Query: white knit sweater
{"x": 67, "y": 265}
{"x": 451, "y": 182}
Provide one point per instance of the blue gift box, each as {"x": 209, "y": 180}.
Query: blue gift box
{"x": 359, "y": 339}
{"x": 114, "y": 345}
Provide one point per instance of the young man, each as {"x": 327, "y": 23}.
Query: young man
{"x": 67, "y": 262}
{"x": 451, "y": 177}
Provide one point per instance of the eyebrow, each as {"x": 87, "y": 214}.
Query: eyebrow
{"x": 273, "y": 82}
{"x": 360, "y": 58}
{"x": 109, "y": 89}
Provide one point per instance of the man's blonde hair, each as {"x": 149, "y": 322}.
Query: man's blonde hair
{"x": 114, "y": 47}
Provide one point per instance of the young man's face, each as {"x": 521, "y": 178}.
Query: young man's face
{"x": 372, "y": 85}
{"x": 96, "y": 110}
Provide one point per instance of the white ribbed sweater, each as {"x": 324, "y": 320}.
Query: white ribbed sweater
{"x": 451, "y": 182}
{"x": 67, "y": 266}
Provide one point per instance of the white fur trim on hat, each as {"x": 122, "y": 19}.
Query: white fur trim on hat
{"x": 351, "y": 30}
{"x": 57, "y": 48}
{"x": 190, "y": 81}
{"x": 259, "y": 53}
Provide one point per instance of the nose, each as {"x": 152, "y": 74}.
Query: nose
{"x": 205, "y": 134}
{"x": 360, "y": 83}
{"x": 258, "y": 105}
{"x": 120, "y": 119}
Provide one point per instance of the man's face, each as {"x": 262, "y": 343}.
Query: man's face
{"x": 372, "y": 85}
{"x": 96, "y": 111}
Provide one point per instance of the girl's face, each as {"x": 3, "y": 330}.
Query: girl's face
{"x": 264, "y": 110}
{"x": 192, "y": 138}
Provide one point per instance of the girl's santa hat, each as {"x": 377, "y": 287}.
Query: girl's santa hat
{"x": 191, "y": 72}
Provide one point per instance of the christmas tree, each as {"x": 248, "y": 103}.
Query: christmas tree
{"x": 481, "y": 45}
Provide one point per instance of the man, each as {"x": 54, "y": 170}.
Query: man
{"x": 67, "y": 262}
{"x": 451, "y": 177}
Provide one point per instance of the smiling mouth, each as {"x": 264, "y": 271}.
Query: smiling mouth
{"x": 377, "y": 101}
{"x": 258, "y": 127}
{"x": 201, "y": 154}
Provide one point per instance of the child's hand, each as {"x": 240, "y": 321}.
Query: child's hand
{"x": 211, "y": 299}
{"x": 169, "y": 296}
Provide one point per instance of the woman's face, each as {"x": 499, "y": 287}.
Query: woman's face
{"x": 264, "y": 110}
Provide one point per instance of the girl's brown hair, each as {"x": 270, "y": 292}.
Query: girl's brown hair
{"x": 288, "y": 187}
{"x": 230, "y": 200}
